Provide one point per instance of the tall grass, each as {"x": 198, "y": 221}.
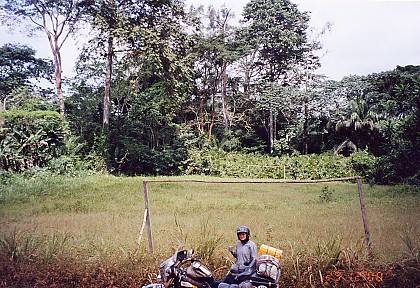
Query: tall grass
{"x": 98, "y": 218}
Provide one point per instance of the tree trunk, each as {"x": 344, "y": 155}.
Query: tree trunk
{"x": 274, "y": 127}
{"x": 107, "y": 96}
{"x": 203, "y": 97}
{"x": 305, "y": 130}
{"x": 59, "y": 88}
{"x": 271, "y": 133}
{"x": 247, "y": 64}
{"x": 58, "y": 70}
{"x": 213, "y": 103}
{"x": 200, "y": 122}
{"x": 212, "y": 116}
{"x": 224, "y": 96}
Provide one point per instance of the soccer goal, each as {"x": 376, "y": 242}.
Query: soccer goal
{"x": 147, "y": 221}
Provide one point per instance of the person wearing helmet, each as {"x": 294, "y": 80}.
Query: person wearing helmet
{"x": 245, "y": 253}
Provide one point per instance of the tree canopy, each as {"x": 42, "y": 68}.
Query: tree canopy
{"x": 20, "y": 69}
{"x": 155, "y": 83}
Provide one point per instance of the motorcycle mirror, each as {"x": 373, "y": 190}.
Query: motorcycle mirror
{"x": 181, "y": 255}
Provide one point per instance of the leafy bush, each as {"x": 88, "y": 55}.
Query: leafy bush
{"x": 235, "y": 164}
{"x": 30, "y": 139}
{"x": 314, "y": 166}
{"x": 169, "y": 161}
{"x": 5, "y": 177}
{"x": 326, "y": 194}
{"x": 399, "y": 167}
{"x": 364, "y": 164}
{"x": 73, "y": 162}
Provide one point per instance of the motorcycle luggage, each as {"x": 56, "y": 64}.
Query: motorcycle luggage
{"x": 268, "y": 266}
{"x": 265, "y": 249}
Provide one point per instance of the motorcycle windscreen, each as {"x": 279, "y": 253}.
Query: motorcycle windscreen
{"x": 164, "y": 268}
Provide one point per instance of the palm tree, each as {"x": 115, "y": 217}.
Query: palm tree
{"x": 358, "y": 125}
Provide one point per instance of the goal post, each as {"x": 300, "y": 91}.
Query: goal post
{"x": 147, "y": 218}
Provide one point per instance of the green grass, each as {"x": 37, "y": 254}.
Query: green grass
{"x": 98, "y": 217}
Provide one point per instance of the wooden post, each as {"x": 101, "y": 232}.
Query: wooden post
{"x": 148, "y": 221}
{"x": 141, "y": 232}
{"x": 364, "y": 214}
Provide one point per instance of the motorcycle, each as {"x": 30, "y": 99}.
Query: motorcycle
{"x": 182, "y": 270}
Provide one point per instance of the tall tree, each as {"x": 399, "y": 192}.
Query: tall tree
{"x": 276, "y": 33}
{"x": 279, "y": 110}
{"x": 277, "y": 29}
{"x": 106, "y": 17}
{"x": 132, "y": 29}
{"x": 145, "y": 44}
{"x": 18, "y": 66}
{"x": 56, "y": 18}
{"x": 307, "y": 79}
{"x": 216, "y": 50}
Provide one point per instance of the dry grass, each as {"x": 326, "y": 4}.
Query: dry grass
{"x": 98, "y": 220}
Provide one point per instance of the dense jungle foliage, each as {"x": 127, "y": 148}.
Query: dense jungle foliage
{"x": 164, "y": 89}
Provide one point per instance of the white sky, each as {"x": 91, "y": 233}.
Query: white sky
{"x": 367, "y": 36}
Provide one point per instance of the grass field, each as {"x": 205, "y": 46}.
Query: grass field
{"x": 98, "y": 218}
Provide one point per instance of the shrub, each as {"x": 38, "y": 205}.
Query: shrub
{"x": 364, "y": 164}
{"x": 326, "y": 194}
{"x": 236, "y": 164}
{"x": 30, "y": 139}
